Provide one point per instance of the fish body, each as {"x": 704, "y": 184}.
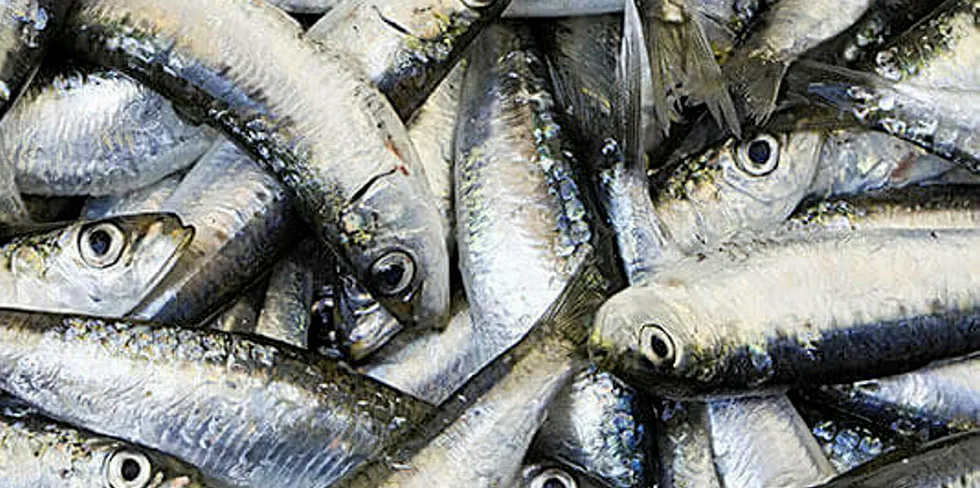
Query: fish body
{"x": 102, "y": 267}
{"x": 285, "y": 312}
{"x": 244, "y": 218}
{"x": 345, "y": 158}
{"x": 121, "y": 136}
{"x": 770, "y": 313}
{"x": 147, "y": 199}
{"x": 26, "y": 28}
{"x": 684, "y": 446}
{"x": 247, "y": 412}
{"x": 243, "y": 314}
{"x": 847, "y": 440}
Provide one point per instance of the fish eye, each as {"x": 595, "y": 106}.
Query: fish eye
{"x": 393, "y": 273}
{"x": 553, "y": 478}
{"x": 478, "y": 3}
{"x": 101, "y": 244}
{"x": 759, "y": 156}
{"x": 128, "y": 469}
{"x": 656, "y": 345}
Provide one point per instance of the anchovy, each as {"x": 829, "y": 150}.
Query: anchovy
{"x": 243, "y": 219}
{"x": 245, "y": 411}
{"x": 147, "y": 199}
{"x": 36, "y": 452}
{"x": 285, "y": 313}
{"x": 925, "y": 404}
{"x": 946, "y": 463}
{"x": 344, "y": 156}
{"x": 757, "y": 314}
{"x": 121, "y": 136}
{"x": 102, "y": 267}
{"x": 406, "y": 48}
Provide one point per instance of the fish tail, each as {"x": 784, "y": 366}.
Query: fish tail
{"x": 682, "y": 63}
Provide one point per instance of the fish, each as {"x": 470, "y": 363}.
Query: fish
{"x": 288, "y": 301}
{"x": 561, "y": 8}
{"x": 345, "y": 159}
{"x": 405, "y": 48}
{"x": 305, "y": 6}
{"x": 684, "y": 446}
{"x": 847, "y": 440}
{"x": 547, "y": 473}
{"x": 243, "y": 314}
{"x": 922, "y": 405}
{"x": 790, "y": 28}
{"x": 881, "y": 23}
{"x": 26, "y": 31}
{"x": 601, "y": 427}
{"x": 147, "y": 199}
{"x": 948, "y": 462}
{"x": 101, "y": 267}
{"x": 481, "y": 438}
{"x": 37, "y": 451}
{"x": 244, "y": 218}
{"x": 770, "y": 313}
{"x": 121, "y": 136}
{"x": 246, "y": 411}
{"x": 361, "y": 324}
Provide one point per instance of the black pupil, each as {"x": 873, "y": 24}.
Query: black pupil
{"x": 659, "y": 347}
{"x": 390, "y": 275}
{"x": 130, "y": 470}
{"x": 553, "y": 483}
{"x": 759, "y": 152}
{"x": 99, "y": 242}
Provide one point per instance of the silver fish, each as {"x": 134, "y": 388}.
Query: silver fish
{"x": 243, "y": 219}
{"x": 243, "y": 314}
{"x": 361, "y": 324}
{"x": 547, "y": 473}
{"x": 246, "y": 412}
{"x": 38, "y": 452}
{"x": 684, "y": 446}
{"x": 769, "y": 313}
{"x": 26, "y": 28}
{"x": 147, "y": 199}
{"x": 121, "y": 136}
{"x": 103, "y": 267}
{"x": 561, "y": 8}
{"x": 847, "y": 440}
{"x": 345, "y": 158}
{"x": 285, "y": 313}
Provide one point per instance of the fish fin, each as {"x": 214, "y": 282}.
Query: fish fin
{"x": 571, "y": 315}
{"x": 629, "y": 80}
{"x": 682, "y": 63}
{"x": 755, "y": 83}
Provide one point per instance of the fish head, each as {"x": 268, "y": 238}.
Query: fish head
{"x": 395, "y": 244}
{"x": 115, "y": 262}
{"x": 123, "y": 466}
{"x": 645, "y": 336}
{"x": 363, "y": 325}
{"x": 739, "y": 186}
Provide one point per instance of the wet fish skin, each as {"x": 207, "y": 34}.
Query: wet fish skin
{"x": 121, "y": 136}
{"x": 103, "y": 267}
{"x": 561, "y": 8}
{"x": 704, "y": 328}
{"x": 923, "y": 405}
{"x": 881, "y": 24}
{"x": 790, "y": 28}
{"x": 147, "y": 199}
{"x": 548, "y": 473}
{"x": 406, "y": 48}
{"x": 362, "y": 325}
{"x": 243, "y": 314}
{"x": 246, "y": 411}
{"x": 244, "y": 217}
{"x": 345, "y": 158}
{"x": 684, "y": 446}
{"x": 847, "y": 440}
{"x": 26, "y": 28}
{"x": 288, "y": 301}
{"x": 945, "y": 463}
{"x": 36, "y": 451}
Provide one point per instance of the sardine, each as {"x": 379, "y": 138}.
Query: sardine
{"x": 285, "y": 313}
{"x": 406, "y": 48}
{"x": 344, "y": 156}
{"x": 147, "y": 199}
{"x": 601, "y": 427}
{"x": 925, "y": 404}
{"x": 103, "y": 267}
{"x": 38, "y": 452}
{"x": 243, "y": 314}
{"x": 847, "y": 440}
{"x": 684, "y": 446}
{"x": 790, "y": 28}
{"x": 881, "y": 23}
{"x": 361, "y": 324}
{"x": 245, "y": 411}
{"x": 946, "y": 463}
{"x": 120, "y": 136}
{"x": 546, "y": 473}
{"x": 243, "y": 219}
{"x": 764, "y": 314}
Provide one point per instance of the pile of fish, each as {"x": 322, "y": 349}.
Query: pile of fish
{"x": 489, "y": 243}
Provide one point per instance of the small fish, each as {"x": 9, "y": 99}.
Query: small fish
{"x": 925, "y": 404}
{"x": 285, "y": 313}
{"x": 881, "y": 23}
{"x": 38, "y": 452}
{"x": 790, "y": 28}
{"x": 243, "y": 219}
{"x": 770, "y": 313}
{"x": 684, "y": 446}
{"x": 945, "y": 463}
{"x": 102, "y": 267}
{"x": 406, "y": 48}
{"x": 345, "y": 157}
{"x": 548, "y": 473}
{"x": 246, "y": 411}
{"x": 121, "y": 136}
